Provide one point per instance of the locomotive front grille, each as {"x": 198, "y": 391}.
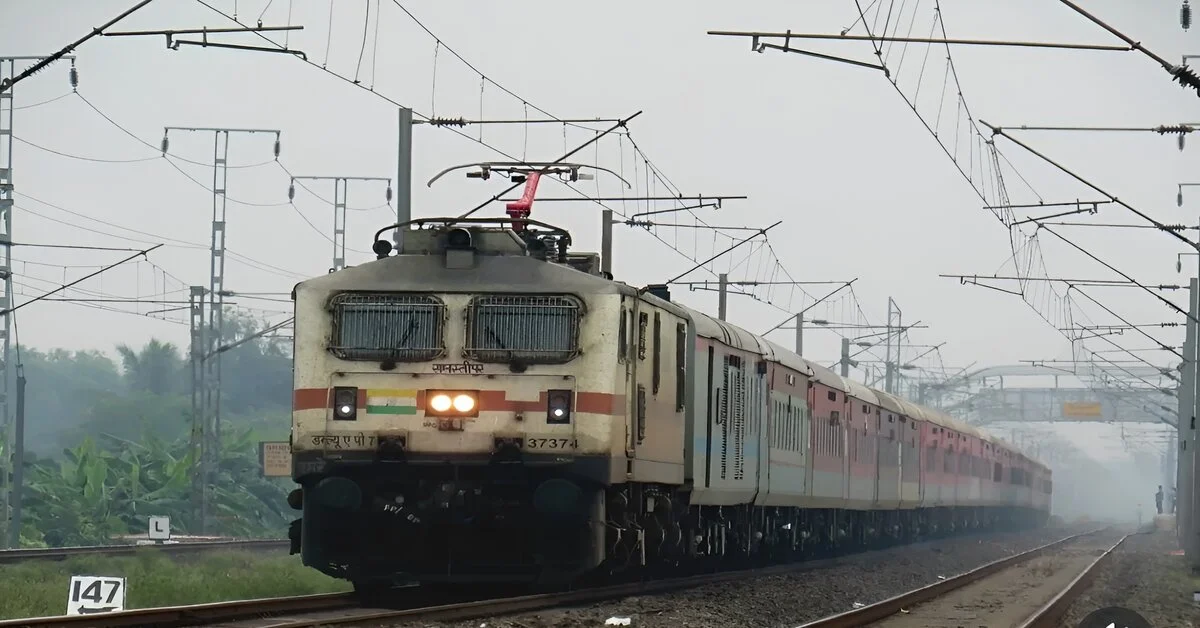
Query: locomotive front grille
{"x": 534, "y": 329}
{"x": 396, "y": 327}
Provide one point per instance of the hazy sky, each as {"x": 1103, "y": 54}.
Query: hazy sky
{"x": 830, "y": 149}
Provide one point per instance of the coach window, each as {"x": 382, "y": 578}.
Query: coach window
{"x": 656, "y": 377}
{"x": 643, "y": 322}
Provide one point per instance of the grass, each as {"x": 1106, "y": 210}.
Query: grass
{"x": 38, "y": 588}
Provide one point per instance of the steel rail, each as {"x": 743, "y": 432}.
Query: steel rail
{"x": 62, "y": 553}
{"x": 1049, "y": 615}
{"x": 195, "y": 614}
{"x": 226, "y": 613}
{"x": 886, "y": 608}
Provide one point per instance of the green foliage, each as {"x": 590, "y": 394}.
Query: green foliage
{"x": 93, "y": 494}
{"x": 39, "y": 589}
{"x": 107, "y": 447}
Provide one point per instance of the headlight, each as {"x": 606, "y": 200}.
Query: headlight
{"x": 440, "y": 403}
{"x": 464, "y": 403}
{"x": 452, "y": 403}
{"x": 345, "y": 403}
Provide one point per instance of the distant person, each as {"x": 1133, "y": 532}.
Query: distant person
{"x": 1171, "y": 500}
{"x": 1158, "y": 497}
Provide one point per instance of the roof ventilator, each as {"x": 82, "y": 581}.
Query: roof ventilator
{"x": 460, "y": 249}
{"x": 659, "y": 290}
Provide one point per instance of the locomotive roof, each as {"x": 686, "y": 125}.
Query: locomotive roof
{"x": 493, "y": 273}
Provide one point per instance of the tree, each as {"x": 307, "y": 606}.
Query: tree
{"x": 62, "y": 388}
{"x": 256, "y": 375}
{"x": 156, "y": 368}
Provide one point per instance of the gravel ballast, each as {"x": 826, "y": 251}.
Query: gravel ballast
{"x": 790, "y": 599}
{"x": 1144, "y": 576}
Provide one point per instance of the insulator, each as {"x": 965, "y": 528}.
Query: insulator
{"x": 447, "y": 122}
{"x": 1186, "y": 77}
{"x": 277, "y": 148}
{"x": 164, "y": 144}
{"x": 1185, "y": 15}
{"x": 1174, "y": 128}
{"x": 291, "y": 191}
{"x": 74, "y": 77}
{"x": 388, "y": 194}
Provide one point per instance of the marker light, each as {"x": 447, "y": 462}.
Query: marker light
{"x": 558, "y": 406}
{"x": 452, "y": 403}
{"x": 345, "y": 403}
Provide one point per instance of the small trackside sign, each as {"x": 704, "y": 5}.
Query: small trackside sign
{"x": 91, "y": 595}
{"x": 275, "y": 458}
{"x": 160, "y": 529}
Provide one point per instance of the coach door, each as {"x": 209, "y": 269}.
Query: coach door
{"x": 635, "y": 398}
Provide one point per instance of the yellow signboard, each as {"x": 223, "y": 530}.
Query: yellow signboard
{"x": 1082, "y": 410}
{"x": 276, "y": 459}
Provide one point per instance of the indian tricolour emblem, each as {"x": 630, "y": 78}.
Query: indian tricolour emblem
{"x": 391, "y": 401}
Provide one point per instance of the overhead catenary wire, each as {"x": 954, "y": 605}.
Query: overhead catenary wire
{"x": 81, "y": 279}
{"x": 478, "y": 140}
{"x": 417, "y": 114}
{"x": 157, "y": 238}
{"x": 7, "y": 84}
{"x": 1031, "y": 252}
{"x": 1159, "y": 225}
{"x": 1181, "y": 73}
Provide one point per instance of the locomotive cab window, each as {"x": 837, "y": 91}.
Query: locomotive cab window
{"x": 529, "y": 328}
{"x": 382, "y": 326}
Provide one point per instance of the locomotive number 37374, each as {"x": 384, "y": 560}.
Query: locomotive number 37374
{"x": 550, "y": 443}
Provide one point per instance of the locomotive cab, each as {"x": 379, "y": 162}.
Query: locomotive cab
{"x": 454, "y": 410}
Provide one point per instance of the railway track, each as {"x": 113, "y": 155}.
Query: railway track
{"x": 1033, "y": 589}
{"x": 415, "y": 605}
{"x": 60, "y": 553}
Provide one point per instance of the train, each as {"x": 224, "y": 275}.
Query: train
{"x": 481, "y": 404}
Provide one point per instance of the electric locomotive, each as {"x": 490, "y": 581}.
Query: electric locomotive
{"x": 483, "y": 405}
{"x": 456, "y": 409}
